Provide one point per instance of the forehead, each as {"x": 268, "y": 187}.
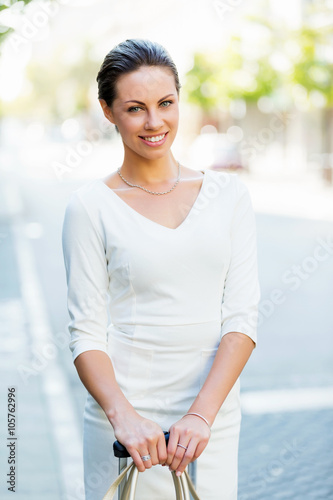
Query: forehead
{"x": 146, "y": 83}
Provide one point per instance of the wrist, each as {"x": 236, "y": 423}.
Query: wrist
{"x": 199, "y": 415}
{"x": 118, "y": 411}
{"x": 201, "y": 406}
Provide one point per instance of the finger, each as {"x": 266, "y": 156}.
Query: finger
{"x": 172, "y": 446}
{"x": 200, "y": 448}
{"x": 188, "y": 456}
{"x": 138, "y": 461}
{"x": 178, "y": 457}
{"x": 194, "y": 450}
{"x": 179, "y": 454}
{"x": 147, "y": 463}
{"x": 162, "y": 450}
{"x": 153, "y": 453}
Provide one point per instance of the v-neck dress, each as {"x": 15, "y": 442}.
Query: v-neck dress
{"x": 158, "y": 301}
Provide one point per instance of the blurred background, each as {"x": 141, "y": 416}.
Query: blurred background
{"x": 256, "y": 99}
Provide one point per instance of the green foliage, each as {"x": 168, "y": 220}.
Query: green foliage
{"x": 202, "y": 85}
{"x": 312, "y": 70}
{"x": 62, "y": 90}
{"x": 244, "y": 69}
{"x": 220, "y": 77}
{"x": 247, "y": 70}
{"x": 6, "y": 30}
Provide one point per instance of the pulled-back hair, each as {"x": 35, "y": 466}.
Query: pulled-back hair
{"x": 129, "y": 56}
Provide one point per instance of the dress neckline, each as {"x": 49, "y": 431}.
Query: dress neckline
{"x": 150, "y": 221}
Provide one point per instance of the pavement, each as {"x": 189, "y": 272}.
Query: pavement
{"x": 286, "y": 455}
{"x": 286, "y": 438}
{"x": 41, "y": 449}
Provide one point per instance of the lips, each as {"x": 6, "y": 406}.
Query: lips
{"x": 154, "y": 140}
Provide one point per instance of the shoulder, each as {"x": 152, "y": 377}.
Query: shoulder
{"x": 83, "y": 205}
{"x": 84, "y": 197}
{"x": 231, "y": 192}
{"x": 191, "y": 174}
{"x": 230, "y": 184}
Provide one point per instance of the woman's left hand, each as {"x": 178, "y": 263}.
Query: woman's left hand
{"x": 188, "y": 438}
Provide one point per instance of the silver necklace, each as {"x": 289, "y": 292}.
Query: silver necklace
{"x": 152, "y": 192}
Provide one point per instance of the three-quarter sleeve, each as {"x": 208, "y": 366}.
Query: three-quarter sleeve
{"x": 87, "y": 279}
{"x": 239, "y": 309}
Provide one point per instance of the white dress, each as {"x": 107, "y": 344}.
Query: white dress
{"x": 157, "y": 301}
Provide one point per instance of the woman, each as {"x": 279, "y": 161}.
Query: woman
{"x": 162, "y": 293}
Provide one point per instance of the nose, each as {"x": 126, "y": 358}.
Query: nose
{"x": 154, "y": 120}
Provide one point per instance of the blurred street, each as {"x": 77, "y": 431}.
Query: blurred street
{"x": 256, "y": 97}
{"x": 287, "y": 432}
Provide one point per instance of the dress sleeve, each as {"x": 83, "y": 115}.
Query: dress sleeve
{"x": 239, "y": 309}
{"x": 87, "y": 280}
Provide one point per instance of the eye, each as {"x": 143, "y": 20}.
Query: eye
{"x": 133, "y": 108}
{"x": 166, "y": 102}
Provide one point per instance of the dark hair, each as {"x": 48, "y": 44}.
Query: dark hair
{"x": 129, "y": 56}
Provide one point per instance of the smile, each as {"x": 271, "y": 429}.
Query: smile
{"x": 156, "y": 140}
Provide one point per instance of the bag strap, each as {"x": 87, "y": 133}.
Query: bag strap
{"x": 178, "y": 487}
{"x": 114, "y": 486}
{"x": 190, "y": 485}
{"x": 181, "y": 484}
{"x": 128, "y": 492}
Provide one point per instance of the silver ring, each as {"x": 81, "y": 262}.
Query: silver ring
{"x": 145, "y": 458}
{"x": 185, "y": 447}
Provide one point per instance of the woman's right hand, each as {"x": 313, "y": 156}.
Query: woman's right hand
{"x": 141, "y": 437}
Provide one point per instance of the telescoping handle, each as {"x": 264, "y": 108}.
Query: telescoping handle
{"x": 120, "y": 451}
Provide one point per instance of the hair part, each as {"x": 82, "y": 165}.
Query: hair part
{"x": 129, "y": 56}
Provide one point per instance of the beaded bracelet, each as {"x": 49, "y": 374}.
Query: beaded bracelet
{"x": 200, "y": 416}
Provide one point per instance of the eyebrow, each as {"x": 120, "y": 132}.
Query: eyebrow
{"x": 140, "y": 102}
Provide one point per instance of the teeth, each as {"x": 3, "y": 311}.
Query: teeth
{"x": 154, "y": 139}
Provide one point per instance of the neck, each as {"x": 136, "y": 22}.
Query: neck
{"x": 150, "y": 172}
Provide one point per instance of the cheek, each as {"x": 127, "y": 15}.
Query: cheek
{"x": 130, "y": 124}
{"x": 175, "y": 114}
{"x": 174, "y": 119}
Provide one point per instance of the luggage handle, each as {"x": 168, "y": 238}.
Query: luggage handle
{"x": 183, "y": 484}
{"x": 120, "y": 451}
